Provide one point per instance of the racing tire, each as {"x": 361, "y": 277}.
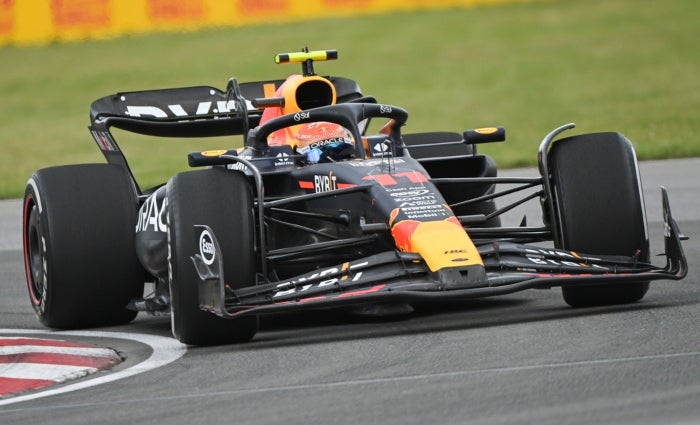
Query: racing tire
{"x": 223, "y": 200}
{"x": 78, "y": 240}
{"x": 600, "y": 206}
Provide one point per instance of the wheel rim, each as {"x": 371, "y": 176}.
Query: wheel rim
{"x": 34, "y": 254}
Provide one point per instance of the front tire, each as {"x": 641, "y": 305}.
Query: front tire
{"x": 222, "y": 200}
{"x": 78, "y": 237}
{"x": 600, "y": 207}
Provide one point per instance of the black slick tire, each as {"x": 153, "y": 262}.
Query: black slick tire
{"x": 600, "y": 208}
{"x": 222, "y": 200}
{"x": 78, "y": 237}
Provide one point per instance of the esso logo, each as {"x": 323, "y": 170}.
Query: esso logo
{"x": 206, "y": 248}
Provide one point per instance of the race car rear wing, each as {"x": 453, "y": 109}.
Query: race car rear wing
{"x": 200, "y": 111}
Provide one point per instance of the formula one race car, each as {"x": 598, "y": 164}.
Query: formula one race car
{"x": 314, "y": 213}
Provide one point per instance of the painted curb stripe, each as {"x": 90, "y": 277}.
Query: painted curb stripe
{"x": 71, "y": 351}
{"x": 14, "y": 385}
{"x": 32, "y": 363}
{"x": 165, "y": 351}
{"x": 58, "y": 359}
{"x": 55, "y": 373}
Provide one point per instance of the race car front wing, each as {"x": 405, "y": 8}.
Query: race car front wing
{"x": 403, "y": 277}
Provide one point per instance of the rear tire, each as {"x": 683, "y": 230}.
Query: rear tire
{"x": 222, "y": 200}
{"x": 600, "y": 207}
{"x": 78, "y": 234}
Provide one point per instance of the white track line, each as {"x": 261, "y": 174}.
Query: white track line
{"x": 165, "y": 351}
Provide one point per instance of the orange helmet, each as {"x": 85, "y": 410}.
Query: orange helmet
{"x": 324, "y": 141}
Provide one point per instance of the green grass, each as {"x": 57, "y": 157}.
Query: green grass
{"x": 627, "y": 65}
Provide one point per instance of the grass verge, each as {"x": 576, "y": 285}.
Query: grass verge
{"x": 629, "y": 65}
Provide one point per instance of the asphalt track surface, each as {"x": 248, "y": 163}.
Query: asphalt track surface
{"x": 521, "y": 358}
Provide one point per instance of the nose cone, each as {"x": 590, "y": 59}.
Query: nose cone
{"x": 441, "y": 243}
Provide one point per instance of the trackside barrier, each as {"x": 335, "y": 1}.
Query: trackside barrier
{"x": 27, "y": 22}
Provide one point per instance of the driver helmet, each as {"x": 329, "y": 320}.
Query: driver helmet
{"x": 324, "y": 142}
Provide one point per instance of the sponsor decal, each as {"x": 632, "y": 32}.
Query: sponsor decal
{"x": 206, "y": 247}
{"x": 551, "y": 262}
{"x": 51, "y": 20}
{"x": 325, "y": 183}
{"x": 177, "y": 110}
{"x": 422, "y": 212}
{"x": 413, "y": 198}
{"x": 564, "y": 258}
{"x": 456, "y": 251}
{"x": 486, "y": 130}
{"x": 298, "y": 286}
{"x": 283, "y": 159}
{"x": 372, "y": 162}
{"x": 407, "y": 192}
{"x": 67, "y": 14}
{"x": 257, "y": 7}
{"x": 217, "y": 152}
{"x": 385, "y": 109}
{"x": 190, "y": 11}
{"x": 557, "y": 253}
{"x": 152, "y": 215}
{"x": 382, "y": 149}
{"x": 104, "y": 140}
{"x": 7, "y": 17}
{"x": 301, "y": 116}
{"x": 325, "y": 142}
{"x": 237, "y": 166}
